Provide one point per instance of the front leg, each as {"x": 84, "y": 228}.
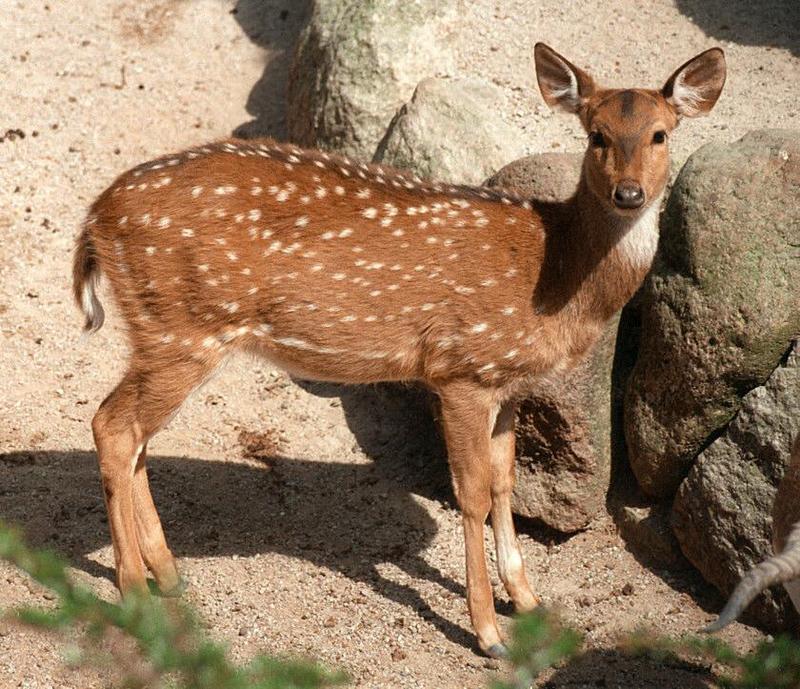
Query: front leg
{"x": 510, "y": 564}
{"x": 468, "y": 416}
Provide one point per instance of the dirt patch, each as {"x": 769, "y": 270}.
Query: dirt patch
{"x": 147, "y": 22}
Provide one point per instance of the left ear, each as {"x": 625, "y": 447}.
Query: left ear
{"x": 695, "y": 86}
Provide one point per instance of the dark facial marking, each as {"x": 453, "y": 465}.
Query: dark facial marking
{"x": 626, "y": 98}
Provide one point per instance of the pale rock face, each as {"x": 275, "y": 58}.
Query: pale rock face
{"x": 450, "y": 130}
{"x": 357, "y": 62}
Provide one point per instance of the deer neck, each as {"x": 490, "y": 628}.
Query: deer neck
{"x": 594, "y": 258}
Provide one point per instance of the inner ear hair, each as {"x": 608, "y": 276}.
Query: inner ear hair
{"x": 562, "y": 84}
{"x": 696, "y": 85}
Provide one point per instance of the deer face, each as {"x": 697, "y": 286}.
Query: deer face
{"x": 626, "y": 164}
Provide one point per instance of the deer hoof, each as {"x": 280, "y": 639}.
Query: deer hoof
{"x": 498, "y": 651}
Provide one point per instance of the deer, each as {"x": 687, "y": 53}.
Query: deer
{"x": 784, "y": 566}
{"x": 342, "y": 271}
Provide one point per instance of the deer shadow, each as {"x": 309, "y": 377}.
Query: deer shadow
{"x": 275, "y": 26}
{"x": 767, "y": 22}
{"x": 613, "y": 668}
{"x": 347, "y": 518}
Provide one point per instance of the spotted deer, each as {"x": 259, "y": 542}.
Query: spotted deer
{"x": 342, "y": 271}
{"x": 784, "y": 566}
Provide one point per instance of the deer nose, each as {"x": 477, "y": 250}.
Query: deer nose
{"x": 628, "y": 194}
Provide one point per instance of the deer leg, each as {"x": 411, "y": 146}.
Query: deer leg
{"x": 467, "y": 420}
{"x": 119, "y": 440}
{"x": 509, "y": 556}
{"x": 138, "y": 407}
{"x": 152, "y": 543}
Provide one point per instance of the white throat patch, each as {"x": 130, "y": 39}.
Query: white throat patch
{"x": 640, "y": 241}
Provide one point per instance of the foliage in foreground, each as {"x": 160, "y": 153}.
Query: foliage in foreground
{"x": 168, "y": 643}
{"x": 771, "y": 665}
{"x": 170, "y": 649}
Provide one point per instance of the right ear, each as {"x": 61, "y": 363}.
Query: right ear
{"x": 563, "y": 85}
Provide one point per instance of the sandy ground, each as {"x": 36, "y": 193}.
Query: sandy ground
{"x": 304, "y": 518}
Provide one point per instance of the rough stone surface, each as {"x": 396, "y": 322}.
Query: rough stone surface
{"x": 450, "y": 130}
{"x": 564, "y": 443}
{"x": 356, "y": 63}
{"x": 544, "y": 176}
{"x": 722, "y": 512}
{"x": 721, "y": 304}
{"x": 647, "y": 532}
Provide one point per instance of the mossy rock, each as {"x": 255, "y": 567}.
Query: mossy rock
{"x": 721, "y": 304}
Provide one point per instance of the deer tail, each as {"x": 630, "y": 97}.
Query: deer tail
{"x": 85, "y": 278}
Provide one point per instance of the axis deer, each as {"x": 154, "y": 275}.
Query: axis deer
{"x": 784, "y": 566}
{"x": 341, "y": 271}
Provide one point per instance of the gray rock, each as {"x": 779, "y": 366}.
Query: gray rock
{"x": 721, "y": 304}
{"x": 564, "y": 443}
{"x": 450, "y": 130}
{"x": 647, "y": 531}
{"x": 544, "y": 176}
{"x": 722, "y": 512}
{"x": 357, "y": 62}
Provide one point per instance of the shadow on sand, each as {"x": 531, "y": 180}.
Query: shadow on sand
{"x": 348, "y": 518}
{"x": 275, "y": 26}
{"x": 773, "y": 23}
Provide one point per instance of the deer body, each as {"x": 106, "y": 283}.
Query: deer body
{"x": 341, "y": 271}
{"x": 359, "y": 280}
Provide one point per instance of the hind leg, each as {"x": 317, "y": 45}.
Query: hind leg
{"x": 149, "y": 534}
{"x": 139, "y": 406}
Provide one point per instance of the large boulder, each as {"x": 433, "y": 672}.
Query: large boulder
{"x": 564, "y": 430}
{"x": 564, "y": 443}
{"x": 544, "y": 176}
{"x": 450, "y": 130}
{"x": 721, "y": 304}
{"x": 722, "y": 514}
{"x": 357, "y": 62}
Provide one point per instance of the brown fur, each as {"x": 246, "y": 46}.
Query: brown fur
{"x": 342, "y": 271}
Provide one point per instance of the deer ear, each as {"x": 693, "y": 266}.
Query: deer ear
{"x": 695, "y": 86}
{"x": 563, "y": 85}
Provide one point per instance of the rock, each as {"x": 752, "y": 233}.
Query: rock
{"x": 564, "y": 443}
{"x": 544, "y": 176}
{"x": 721, "y": 304}
{"x": 356, "y": 63}
{"x": 564, "y": 430}
{"x": 722, "y": 512}
{"x": 647, "y": 532}
{"x": 450, "y": 131}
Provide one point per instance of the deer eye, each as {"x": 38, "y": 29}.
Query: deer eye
{"x": 597, "y": 140}
{"x": 659, "y": 137}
